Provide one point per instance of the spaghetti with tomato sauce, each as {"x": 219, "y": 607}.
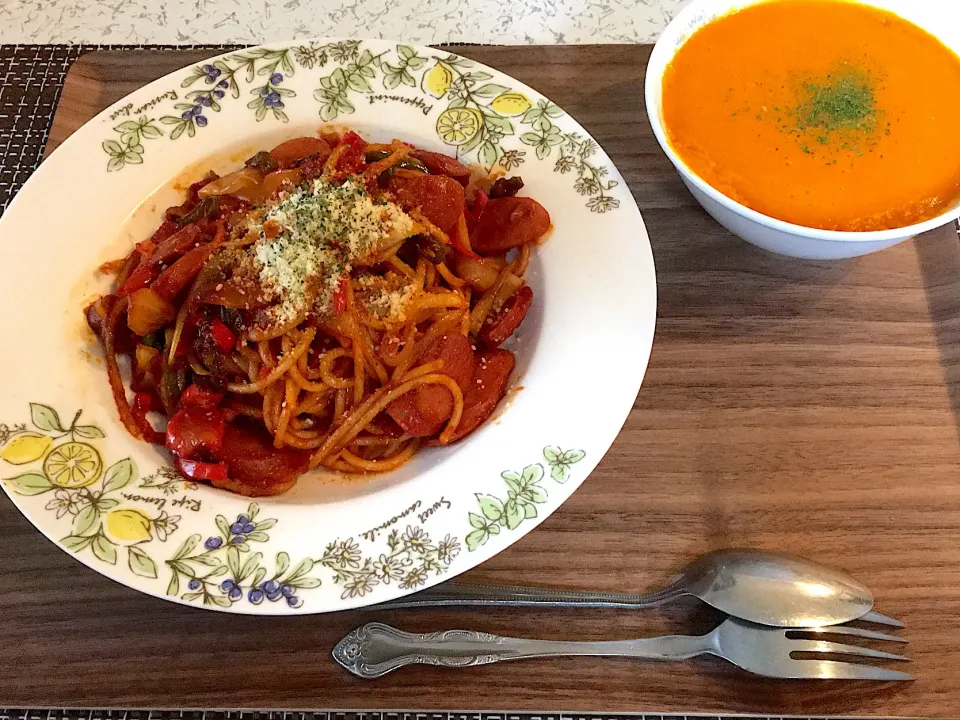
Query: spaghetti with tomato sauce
{"x": 332, "y": 303}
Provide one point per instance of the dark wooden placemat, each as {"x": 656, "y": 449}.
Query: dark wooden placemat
{"x": 803, "y": 406}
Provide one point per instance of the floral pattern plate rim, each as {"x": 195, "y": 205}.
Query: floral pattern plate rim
{"x": 332, "y": 543}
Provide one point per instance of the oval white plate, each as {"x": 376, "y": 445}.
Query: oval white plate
{"x": 330, "y": 544}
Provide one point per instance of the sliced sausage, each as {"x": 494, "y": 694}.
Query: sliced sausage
{"x": 439, "y": 198}
{"x": 509, "y": 222}
{"x": 489, "y": 385}
{"x": 255, "y": 466}
{"x": 440, "y": 164}
{"x": 498, "y": 327}
{"x": 423, "y": 411}
{"x": 288, "y": 154}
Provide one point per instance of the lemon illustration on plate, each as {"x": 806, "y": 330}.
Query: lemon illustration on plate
{"x": 457, "y": 126}
{"x": 437, "y": 81}
{"x": 73, "y": 465}
{"x": 511, "y": 103}
{"x": 128, "y": 526}
{"x": 25, "y": 448}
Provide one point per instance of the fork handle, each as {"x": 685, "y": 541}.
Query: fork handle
{"x": 375, "y": 649}
{"x": 456, "y": 594}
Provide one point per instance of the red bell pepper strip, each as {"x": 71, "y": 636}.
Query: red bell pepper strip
{"x": 196, "y": 470}
{"x": 143, "y": 402}
{"x": 194, "y": 430}
{"x": 480, "y": 201}
{"x": 175, "y": 279}
{"x": 460, "y": 238}
{"x": 196, "y": 396}
{"x": 352, "y": 160}
{"x": 166, "y": 229}
{"x": 340, "y": 297}
{"x": 177, "y": 244}
{"x": 223, "y": 337}
{"x": 140, "y": 278}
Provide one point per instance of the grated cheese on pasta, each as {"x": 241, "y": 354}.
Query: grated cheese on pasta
{"x": 325, "y": 231}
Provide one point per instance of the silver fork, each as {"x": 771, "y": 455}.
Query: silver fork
{"x": 375, "y": 649}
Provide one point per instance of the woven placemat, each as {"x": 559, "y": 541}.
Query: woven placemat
{"x": 32, "y": 78}
{"x": 147, "y": 714}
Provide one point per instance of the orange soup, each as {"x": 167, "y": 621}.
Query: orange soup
{"x": 824, "y": 113}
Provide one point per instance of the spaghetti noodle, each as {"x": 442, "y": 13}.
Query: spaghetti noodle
{"x": 332, "y": 303}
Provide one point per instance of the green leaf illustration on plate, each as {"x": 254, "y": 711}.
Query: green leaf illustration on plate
{"x": 119, "y": 475}
{"x": 333, "y": 94}
{"x": 560, "y": 461}
{"x": 140, "y": 563}
{"x": 401, "y": 73}
{"x": 29, "y": 484}
{"x": 524, "y": 493}
{"x": 45, "y": 417}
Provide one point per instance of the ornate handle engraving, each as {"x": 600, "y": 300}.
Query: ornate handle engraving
{"x": 377, "y": 649}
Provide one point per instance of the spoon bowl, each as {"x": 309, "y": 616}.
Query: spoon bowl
{"x": 774, "y": 588}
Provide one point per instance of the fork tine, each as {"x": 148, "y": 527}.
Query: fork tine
{"x": 823, "y": 646}
{"x": 854, "y": 631}
{"x": 875, "y": 617}
{"x": 831, "y": 669}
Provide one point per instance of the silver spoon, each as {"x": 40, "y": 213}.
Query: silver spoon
{"x": 757, "y": 585}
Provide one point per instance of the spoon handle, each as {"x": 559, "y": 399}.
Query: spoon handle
{"x": 455, "y": 594}
{"x": 375, "y": 649}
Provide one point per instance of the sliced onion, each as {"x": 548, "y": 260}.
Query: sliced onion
{"x": 263, "y": 191}
{"x": 232, "y": 184}
{"x": 481, "y": 273}
{"x": 146, "y": 370}
{"x": 148, "y": 312}
{"x": 511, "y": 283}
{"x": 506, "y": 285}
{"x": 146, "y": 355}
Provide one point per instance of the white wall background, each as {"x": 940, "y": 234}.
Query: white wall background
{"x": 260, "y": 21}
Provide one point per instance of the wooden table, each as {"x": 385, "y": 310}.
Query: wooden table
{"x": 803, "y": 406}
